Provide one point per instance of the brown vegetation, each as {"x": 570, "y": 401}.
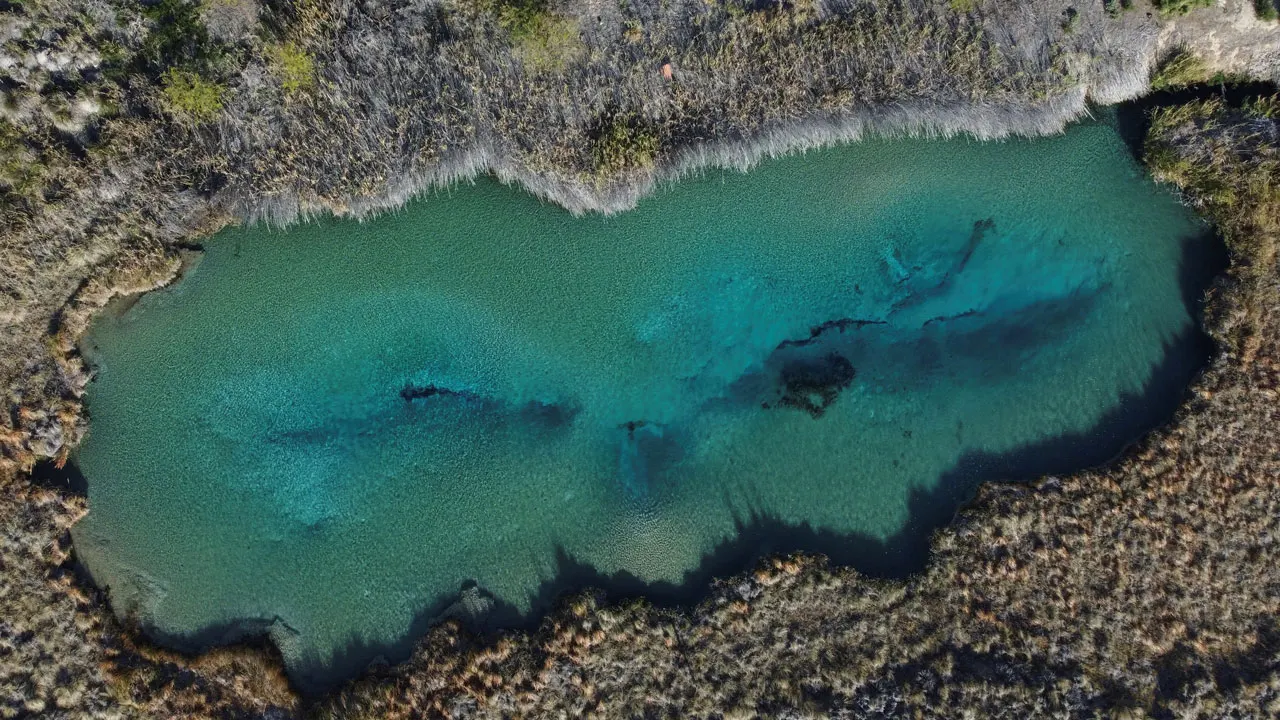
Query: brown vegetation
{"x": 1228, "y": 163}
{"x": 49, "y": 645}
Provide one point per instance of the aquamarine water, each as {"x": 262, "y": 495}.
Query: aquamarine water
{"x": 330, "y": 429}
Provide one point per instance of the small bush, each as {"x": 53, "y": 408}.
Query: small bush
{"x": 1267, "y": 107}
{"x": 1115, "y": 8}
{"x": 544, "y": 39}
{"x": 521, "y": 18}
{"x": 1182, "y": 69}
{"x": 625, "y": 144}
{"x": 177, "y": 38}
{"x": 1070, "y": 20}
{"x": 1180, "y": 7}
{"x": 550, "y": 44}
{"x": 963, "y": 6}
{"x": 294, "y": 66}
{"x": 1265, "y": 9}
{"x": 20, "y": 168}
{"x": 190, "y": 96}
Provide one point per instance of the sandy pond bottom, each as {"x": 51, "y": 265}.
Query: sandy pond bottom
{"x": 325, "y": 432}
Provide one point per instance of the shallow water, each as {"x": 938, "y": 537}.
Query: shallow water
{"x": 331, "y": 429}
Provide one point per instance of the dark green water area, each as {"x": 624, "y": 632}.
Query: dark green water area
{"x": 323, "y": 433}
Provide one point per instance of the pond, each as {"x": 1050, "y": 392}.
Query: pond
{"x": 323, "y": 433}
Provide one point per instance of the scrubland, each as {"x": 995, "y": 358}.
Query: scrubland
{"x": 129, "y": 131}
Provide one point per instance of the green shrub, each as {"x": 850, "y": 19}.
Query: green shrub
{"x": 294, "y": 66}
{"x": 963, "y": 6}
{"x": 1265, "y": 9}
{"x": 1070, "y": 20}
{"x": 178, "y": 38}
{"x": 543, "y": 38}
{"x": 550, "y": 44}
{"x": 1267, "y": 107}
{"x": 190, "y": 96}
{"x": 1182, "y": 69}
{"x": 1180, "y": 7}
{"x": 519, "y": 17}
{"x": 20, "y": 168}
{"x": 1114, "y": 8}
{"x": 625, "y": 144}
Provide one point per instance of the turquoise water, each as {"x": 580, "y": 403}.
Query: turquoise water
{"x": 330, "y": 429}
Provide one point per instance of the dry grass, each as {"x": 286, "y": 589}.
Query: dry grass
{"x": 49, "y": 647}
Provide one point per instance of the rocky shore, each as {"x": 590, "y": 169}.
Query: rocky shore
{"x": 131, "y": 130}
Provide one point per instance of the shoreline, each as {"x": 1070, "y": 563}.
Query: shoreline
{"x": 782, "y": 139}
